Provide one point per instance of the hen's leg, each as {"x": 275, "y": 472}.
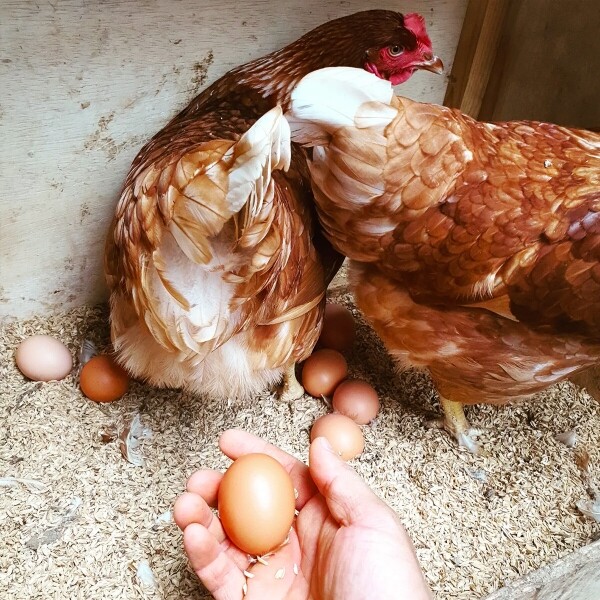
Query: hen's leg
{"x": 456, "y": 424}
{"x": 291, "y": 390}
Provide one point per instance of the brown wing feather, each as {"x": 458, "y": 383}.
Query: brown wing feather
{"x": 519, "y": 218}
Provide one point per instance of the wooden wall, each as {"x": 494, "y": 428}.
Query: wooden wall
{"x": 85, "y": 83}
{"x": 548, "y": 64}
{"x": 534, "y": 59}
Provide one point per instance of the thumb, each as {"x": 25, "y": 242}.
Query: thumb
{"x": 348, "y": 497}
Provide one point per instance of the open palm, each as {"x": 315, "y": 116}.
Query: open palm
{"x": 346, "y": 543}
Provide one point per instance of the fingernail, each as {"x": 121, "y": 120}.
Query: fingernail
{"x": 325, "y": 444}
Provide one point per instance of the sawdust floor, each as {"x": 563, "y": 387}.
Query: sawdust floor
{"x": 85, "y": 523}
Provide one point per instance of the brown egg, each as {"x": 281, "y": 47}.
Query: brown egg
{"x": 43, "y": 358}
{"x": 256, "y": 503}
{"x": 103, "y": 380}
{"x": 322, "y": 372}
{"x": 343, "y": 434}
{"x": 356, "y": 399}
{"x": 338, "y": 331}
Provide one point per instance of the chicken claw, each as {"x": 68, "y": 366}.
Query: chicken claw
{"x": 291, "y": 389}
{"x": 456, "y": 424}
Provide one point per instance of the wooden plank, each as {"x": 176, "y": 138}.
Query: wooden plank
{"x": 475, "y": 54}
{"x": 574, "y": 577}
{"x": 547, "y": 65}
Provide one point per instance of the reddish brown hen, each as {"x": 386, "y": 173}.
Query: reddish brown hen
{"x": 475, "y": 246}
{"x": 217, "y": 272}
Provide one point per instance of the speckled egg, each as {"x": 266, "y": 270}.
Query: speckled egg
{"x": 344, "y": 435}
{"x": 338, "y": 331}
{"x": 356, "y": 399}
{"x": 322, "y": 371}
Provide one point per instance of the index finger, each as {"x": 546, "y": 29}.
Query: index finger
{"x": 236, "y": 442}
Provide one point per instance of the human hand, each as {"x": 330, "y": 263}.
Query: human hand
{"x": 346, "y": 543}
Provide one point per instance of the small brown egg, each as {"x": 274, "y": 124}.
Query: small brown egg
{"x": 343, "y": 434}
{"x": 356, "y": 399}
{"x": 43, "y": 358}
{"x": 338, "y": 331}
{"x": 102, "y": 379}
{"x": 322, "y": 372}
{"x": 256, "y": 503}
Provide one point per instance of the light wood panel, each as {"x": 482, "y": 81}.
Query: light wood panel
{"x": 84, "y": 84}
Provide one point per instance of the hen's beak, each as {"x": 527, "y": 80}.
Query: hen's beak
{"x": 431, "y": 63}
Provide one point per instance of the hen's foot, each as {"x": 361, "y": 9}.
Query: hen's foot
{"x": 291, "y": 389}
{"x": 455, "y": 423}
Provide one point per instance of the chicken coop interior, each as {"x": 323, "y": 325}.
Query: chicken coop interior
{"x": 87, "y": 488}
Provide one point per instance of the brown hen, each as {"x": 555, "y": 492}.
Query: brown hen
{"x": 475, "y": 246}
{"x": 216, "y": 269}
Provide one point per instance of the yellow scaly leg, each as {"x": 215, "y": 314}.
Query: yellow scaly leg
{"x": 291, "y": 389}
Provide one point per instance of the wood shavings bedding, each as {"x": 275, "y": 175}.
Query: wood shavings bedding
{"x": 95, "y": 526}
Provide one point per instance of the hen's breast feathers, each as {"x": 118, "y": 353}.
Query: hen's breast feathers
{"x": 217, "y": 221}
{"x": 458, "y": 211}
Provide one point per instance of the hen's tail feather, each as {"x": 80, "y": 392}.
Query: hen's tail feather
{"x": 264, "y": 148}
{"x": 230, "y": 178}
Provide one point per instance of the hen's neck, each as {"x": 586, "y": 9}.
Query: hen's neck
{"x": 272, "y": 78}
{"x": 276, "y": 74}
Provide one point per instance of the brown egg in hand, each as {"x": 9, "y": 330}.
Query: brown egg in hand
{"x": 356, "y": 399}
{"x": 323, "y": 370}
{"x": 338, "y": 331}
{"x": 103, "y": 380}
{"x": 341, "y": 432}
{"x": 256, "y": 503}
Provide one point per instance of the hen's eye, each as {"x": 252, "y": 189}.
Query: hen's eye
{"x": 395, "y": 50}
